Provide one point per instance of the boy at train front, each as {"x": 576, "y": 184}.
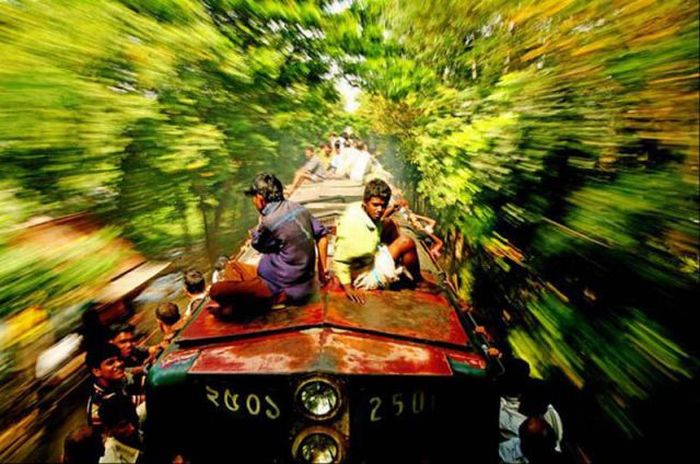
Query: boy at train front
{"x": 365, "y": 240}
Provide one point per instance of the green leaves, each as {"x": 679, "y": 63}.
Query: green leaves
{"x": 560, "y": 138}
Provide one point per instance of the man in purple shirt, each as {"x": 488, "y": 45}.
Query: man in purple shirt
{"x": 287, "y": 236}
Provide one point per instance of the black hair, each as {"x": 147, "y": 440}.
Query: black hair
{"x": 83, "y": 446}
{"x": 116, "y": 329}
{"x": 98, "y": 354}
{"x": 516, "y": 377}
{"x": 194, "y": 281}
{"x": 117, "y": 409}
{"x": 168, "y": 313}
{"x": 537, "y": 439}
{"x": 268, "y": 186}
{"x": 377, "y": 188}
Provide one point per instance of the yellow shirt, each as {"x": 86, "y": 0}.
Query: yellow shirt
{"x": 357, "y": 240}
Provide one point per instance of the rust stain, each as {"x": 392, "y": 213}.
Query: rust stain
{"x": 279, "y": 353}
{"x": 207, "y": 326}
{"x": 328, "y": 350}
{"x": 422, "y": 316}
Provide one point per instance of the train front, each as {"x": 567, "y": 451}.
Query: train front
{"x": 394, "y": 380}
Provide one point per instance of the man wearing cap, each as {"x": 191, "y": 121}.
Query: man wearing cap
{"x": 287, "y": 236}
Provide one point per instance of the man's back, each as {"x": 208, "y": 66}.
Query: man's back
{"x": 286, "y": 237}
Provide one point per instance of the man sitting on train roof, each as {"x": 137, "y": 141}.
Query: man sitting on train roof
{"x": 313, "y": 170}
{"x": 287, "y": 236}
{"x": 368, "y": 247}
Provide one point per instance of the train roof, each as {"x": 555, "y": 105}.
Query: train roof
{"x": 394, "y": 333}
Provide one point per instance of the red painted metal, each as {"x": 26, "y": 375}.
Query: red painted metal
{"x": 420, "y": 316}
{"x": 206, "y": 326}
{"x": 328, "y": 350}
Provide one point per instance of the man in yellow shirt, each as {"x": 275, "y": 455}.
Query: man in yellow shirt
{"x": 364, "y": 239}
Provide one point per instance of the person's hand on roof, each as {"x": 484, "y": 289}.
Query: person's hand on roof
{"x": 354, "y": 295}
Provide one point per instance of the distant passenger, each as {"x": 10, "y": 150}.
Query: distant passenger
{"x": 219, "y": 269}
{"x": 361, "y": 163}
{"x": 325, "y": 153}
{"x": 120, "y": 424}
{"x": 348, "y": 157}
{"x": 196, "y": 290}
{"x": 337, "y": 159}
{"x": 94, "y": 332}
{"x": 522, "y": 397}
{"x": 368, "y": 248}
{"x": 287, "y": 236}
{"x": 83, "y": 446}
{"x": 313, "y": 170}
{"x": 422, "y": 225}
{"x": 169, "y": 322}
{"x": 110, "y": 380}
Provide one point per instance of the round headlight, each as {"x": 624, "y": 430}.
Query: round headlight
{"x": 319, "y": 448}
{"x": 319, "y": 398}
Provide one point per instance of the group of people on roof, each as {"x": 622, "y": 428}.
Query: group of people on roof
{"x": 341, "y": 157}
{"x": 370, "y": 252}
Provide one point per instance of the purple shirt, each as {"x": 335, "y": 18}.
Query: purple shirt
{"x": 287, "y": 237}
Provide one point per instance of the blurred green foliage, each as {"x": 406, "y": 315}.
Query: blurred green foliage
{"x": 153, "y": 116}
{"x": 560, "y": 138}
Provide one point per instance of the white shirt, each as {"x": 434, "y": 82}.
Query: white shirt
{"x": 347, "y": 160}
{"x": 359, "y": 166}
{"x": 119, "y": 453}
{"x": 510, "y": 420}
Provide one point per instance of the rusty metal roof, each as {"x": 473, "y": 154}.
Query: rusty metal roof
{"x": 328, "y": 350}
{"x": 403, "y": 314}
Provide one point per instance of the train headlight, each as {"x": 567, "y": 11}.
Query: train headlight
{"x": 319, "y": 398}
{"x": 319, "y": 448}
{"x": 318, "y": 445}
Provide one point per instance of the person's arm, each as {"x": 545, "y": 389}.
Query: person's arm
{"x": 430, "y": 222}
{"x": 320, "y": 233}
{"x": 322, "y": 245}
{"x": 437, "y": 245}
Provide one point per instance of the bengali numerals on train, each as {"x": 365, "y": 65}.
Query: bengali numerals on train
{"x": 239, "y": 403}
